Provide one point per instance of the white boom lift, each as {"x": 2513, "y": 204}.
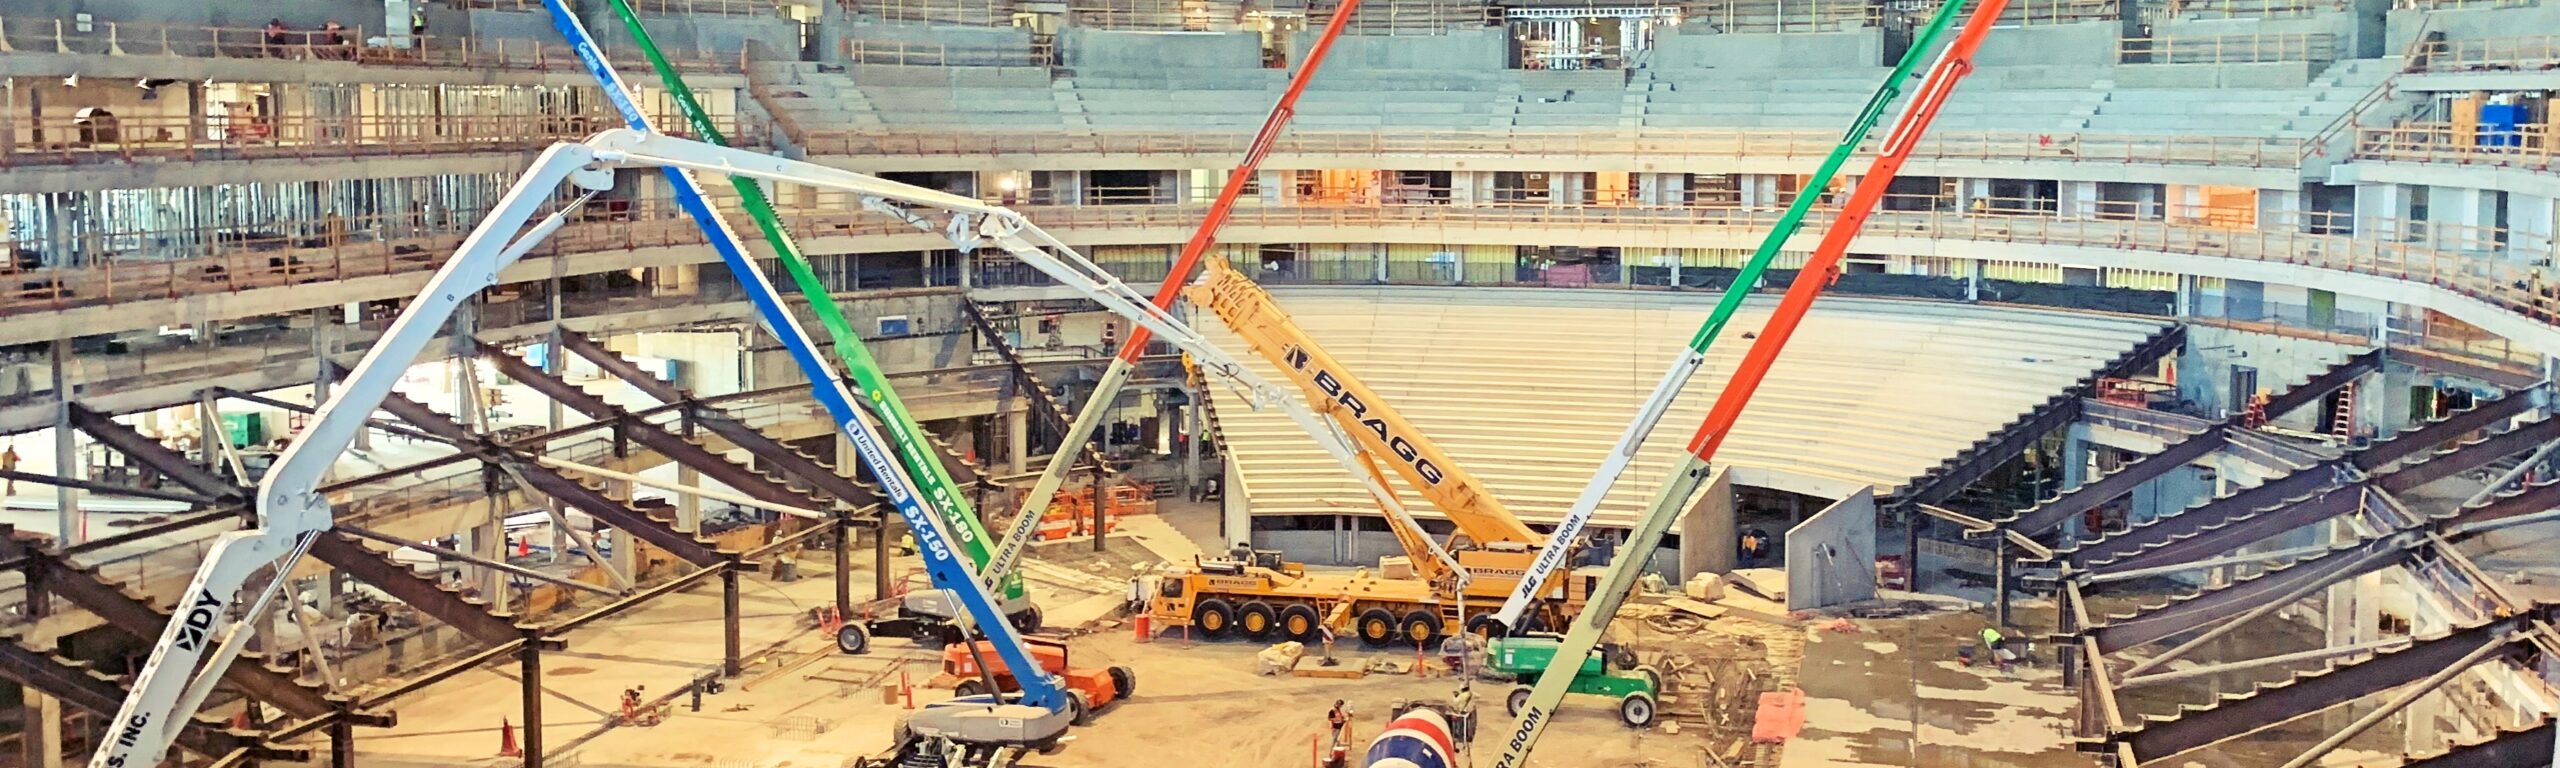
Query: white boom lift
{"x": 212, "y": 626}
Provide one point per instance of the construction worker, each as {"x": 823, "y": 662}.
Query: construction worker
{"x": 9, "y": 462}
{"x": 1462, "y": 710}
{"x": 1997, "y": 646}
{"x": 1338, "y": 718}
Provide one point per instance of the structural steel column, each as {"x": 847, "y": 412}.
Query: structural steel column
{"x": 730, "y": 645}
{"x": 844, "y": 564}
{"x": 1196, "y": 434}
{"x": 342, "y": 742}
{"x": 880, "y": 560}
{"x": 529, "y": 682}
{"x": 688, "y": 505}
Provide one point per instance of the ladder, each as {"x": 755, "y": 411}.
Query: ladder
{"x": 2342, "y": 416}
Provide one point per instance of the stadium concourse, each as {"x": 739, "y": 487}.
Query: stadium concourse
{"x": 2039, "y": 383}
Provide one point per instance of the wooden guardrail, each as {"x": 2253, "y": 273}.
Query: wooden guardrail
{"x": 908, "y": 53}
{"x": 2531, "y": 147}
{"x": 2491, "y": 54}
{"x": 229, "y": 266}
{"x": 71, "y": 139}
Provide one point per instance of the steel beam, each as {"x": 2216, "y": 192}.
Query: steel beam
{"x": 2326, "y": 382}
{"x": 1042, "y": 403}
{"x": 467, "y": 557}
{"x": 77, "y": 685}
{"x": 2246, "y": 530}
{"x": 2421, "y": 357}
{"x": 2188, "y": 613}
{"x": 790, "y": 461}
{"x": 169, "y": 463}
{"x": 667, "y": 485}
{"x": 2315, "y": 654}
{"x": 2054, "y": 512}
{"x": 2407, "y": 444}
{"x": 1964, "y": 469}
{"x": 2531, "y": 746}
{"x": 2471, "y": 456}
{"x": 108, "y": 489}
{"x": 470, "y": 616}
{"x": 141, "y": 619}
{"x": 2532, "y": 499}
{"x": 651, "y": 436}
{"x": 2274, "y": 704}
{"x": 2211, "y": 514}
{"x": 550, "y": 482}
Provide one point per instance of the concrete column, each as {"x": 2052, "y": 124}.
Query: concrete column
{"x": 2280, "y": 209}
{"x": 66, "y": 449}
{"x": 1196, "y": 431}
{"x": 2077, "y": 200}
{"x": 2530, "y": 221}
{"x": 2379, "y": 210}
{"x": 1275, "y": 187}
{"x": 488, "y": 540}
{"x": 688, "y": 505}
{"x": 8, "y": 115}
{"x": 1017, "y": 442}
{"x": 42, "y": 721}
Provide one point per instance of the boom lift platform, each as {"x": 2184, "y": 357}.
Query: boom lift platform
{"x": 1538, "y": 710}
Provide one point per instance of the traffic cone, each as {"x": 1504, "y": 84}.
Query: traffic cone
{"x": 524, "y": 546}
{"x": 240, "y": 720}
{"x": 507, "y": 739}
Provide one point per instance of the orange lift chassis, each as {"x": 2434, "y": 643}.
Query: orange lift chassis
{"x": 1125, "y": 361}
{"x": 1537, "y": 709}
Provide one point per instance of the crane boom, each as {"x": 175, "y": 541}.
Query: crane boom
{"x": 1819, "y": 271}
{"x": 1125, "y": 360}
{"x": 933, "y": 480}
{"x": 1694, "y": 356}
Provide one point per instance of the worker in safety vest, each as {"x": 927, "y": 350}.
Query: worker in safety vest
{"x": 1997, "y": 646}
{"x": 1340, "y": 716}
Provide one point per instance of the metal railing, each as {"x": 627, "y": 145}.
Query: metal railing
{"x": 2026, "y": 12}
{"x": 2516, "y": 287}
{"x": 22, "y": 34}
{"x": 2522, "y": 53}
{"x": 930, "y": 54}
{"x": 63, "y": 139}
{"x": 2528, "y": 147}
{"x": 697, "y": 7}
{"x": 2250, "y": 9}
{"x": 2245, "y": 151}
{"x": 2316, "y": 47}
{"x": 970, "y": 13}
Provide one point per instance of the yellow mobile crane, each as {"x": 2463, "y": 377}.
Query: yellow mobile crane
{"x": 1258, "y": 595}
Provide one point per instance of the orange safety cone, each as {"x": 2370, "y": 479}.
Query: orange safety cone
{"x": 240, "y": 721}
{"x": 524, "y": 546}
{"x": 907, "y": 688}
{"x": 507, "y": 739}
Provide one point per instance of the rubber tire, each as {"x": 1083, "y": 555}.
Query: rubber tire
{"x": 1486, "y": 626}
{"x": 1376, "y": 627}
{"x": 852, "y": 639}
{"x": 949, "y": 634}
{"x": 1027, "y": 622}
{"x": 1652, "y": 678}
{"x": 1518, "y": 699}
{"x": 1080, "y": 711}
{"x": 1314, "y": 631}
{"x": 1257, "y": 613}
{"x": 1622, "y": 657}
{"x": 1533, "y": 621}
{"x": 1636, "y": 710}
{"x": 1214, "y": 618}
{"x": 1427, "y": 624}
{"x": 968, "y": 688}
{"x": 1124, "y": 681}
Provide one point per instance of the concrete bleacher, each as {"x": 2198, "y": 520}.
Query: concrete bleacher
{"x": 1870, "y": 392}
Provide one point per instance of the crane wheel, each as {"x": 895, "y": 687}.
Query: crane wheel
{"x": 1652, "y": 679}
{"x": 1486, "y": 626}
{"x": 969, "y": 688}
{"x": 1124, "y": 681}
{"x": 1214, "y": 618}
{"x": 1299, "y": 622}
{"x": 1518, "y": 700}
{"x": 1636, "y": 710}
{"x": 1257, "y": 619}
{"x": 853, "y": 639}
{"x": 1377, "y": 627}
{"x": 1420, "y": 627}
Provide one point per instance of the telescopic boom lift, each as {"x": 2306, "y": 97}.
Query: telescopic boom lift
{"x": 1125, "y": 360}
{"x": 1552, "y": 556}
{"x": 933, "y": 480}
{"x": 1819, "y": 271}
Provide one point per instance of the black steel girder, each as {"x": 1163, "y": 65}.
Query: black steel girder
{"x": 2243, "y": 530}
{"x": 2054, "y": 512}
{"x": 169, "y": 463}
{"x": 79, "y": 686}
{"x": 2469, "y": 456}
{"x": 2210, "y": 514}
{"x": 550, "y": 482}
{"x": 2526, "y": 501}
{"x": 651, "y": 436}
{"x": 790, "y": 461}
{"x": 2409, "y": 443}
{"x": 2421, "y": 357}
{"x": 2531, "y": 746}
{"x": 445, "y": 604}
{"x": 2326, "y": 382}
{"x": 2276, "y": 703}
{"x": 1964, "y": 469}
{"x": 2189, "y": 612}
{"x": 142, "y": 619}
{"x": 1042, "y": 403}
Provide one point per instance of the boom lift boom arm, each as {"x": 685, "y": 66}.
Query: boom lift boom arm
{"x": 1818, "y": 273}
{"x": 1692, "y": 358}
